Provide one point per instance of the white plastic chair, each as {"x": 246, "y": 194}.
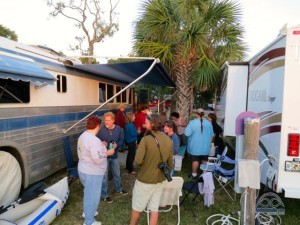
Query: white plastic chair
{"x": 170, "y": 196}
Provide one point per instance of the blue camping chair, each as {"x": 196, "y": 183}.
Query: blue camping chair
{"x": 225, "y": 174}
{"x": 212, "y": 162}
{"x": 223, "y": 169}
{"x": 71, "y": 165}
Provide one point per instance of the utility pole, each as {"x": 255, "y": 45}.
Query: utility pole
{"x": 251, "y": 144}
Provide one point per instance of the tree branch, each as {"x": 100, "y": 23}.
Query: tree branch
{"x": 85, "y": 9}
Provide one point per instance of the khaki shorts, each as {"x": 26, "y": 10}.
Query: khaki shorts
{"x": 144, "y": 195}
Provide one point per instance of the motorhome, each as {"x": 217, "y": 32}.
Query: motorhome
{"x": 268, "y": 85}
{"x": 42, "y": 94}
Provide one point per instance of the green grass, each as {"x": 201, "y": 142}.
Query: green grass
{"x": 118, "y": 213}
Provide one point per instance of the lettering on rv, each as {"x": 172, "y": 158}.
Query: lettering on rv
{"x": 261, "y": 96}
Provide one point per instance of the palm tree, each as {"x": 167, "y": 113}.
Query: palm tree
{"x": 192, "y": 38}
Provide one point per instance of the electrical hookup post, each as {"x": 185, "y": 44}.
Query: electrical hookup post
{"x": 248, "y": 170}
{"x": 239, "y": 149}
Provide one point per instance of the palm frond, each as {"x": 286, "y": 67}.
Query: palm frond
{"x": 206, "y": 74}
{"x": 201, "y": 33}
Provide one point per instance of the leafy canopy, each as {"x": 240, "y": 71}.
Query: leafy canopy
{"x": 7, "y": 33}
{"x": 201, "y": 33}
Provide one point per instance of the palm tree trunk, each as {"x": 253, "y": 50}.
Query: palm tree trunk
{"x": 192, "y": 100}
{"x": 183, "y": 103}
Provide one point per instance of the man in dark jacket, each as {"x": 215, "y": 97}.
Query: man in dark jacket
{"x": 112, "y": 135}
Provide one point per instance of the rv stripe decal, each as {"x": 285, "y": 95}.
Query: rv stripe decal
{"x": 266, "y": 68}
{"x": 275, "y": 118}
{"x": 270, "y": 129}
{"x": 263, "y": 113}
{"x": 37, "y": 121}
{"x": 36, "y": 219}
{"x": 277, "y": 52}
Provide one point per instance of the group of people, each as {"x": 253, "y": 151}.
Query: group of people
{"x": 150, "y": 142}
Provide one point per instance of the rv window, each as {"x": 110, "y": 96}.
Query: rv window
{"x": 61, "y": 83}
{"x": 130, "y": 96}
{"x": 119, "y": 97}
{"x": 14, "y": 91}
{"x": 110, "y": 91}
{"x": 124, "y": 96}
{"x": 102, "y": 92}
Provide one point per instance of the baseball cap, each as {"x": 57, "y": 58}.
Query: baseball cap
{"x": 199, "y": 111}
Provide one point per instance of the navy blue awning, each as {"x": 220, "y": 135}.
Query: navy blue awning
{"x": 18, "y": 69}
{"x": 129, "y": 71}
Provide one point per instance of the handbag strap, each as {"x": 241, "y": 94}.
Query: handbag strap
{"x": 158, "y": 146}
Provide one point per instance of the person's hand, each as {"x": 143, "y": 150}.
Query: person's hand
{"x": 105, "y": 143}
{"x": 110, "y": 152}
{"x": 115, "y": 146}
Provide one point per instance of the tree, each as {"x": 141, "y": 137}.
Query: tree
{"x": 91, "y": 17}
{"x": 192, "y": 38}
{"x": 7, "y": 33}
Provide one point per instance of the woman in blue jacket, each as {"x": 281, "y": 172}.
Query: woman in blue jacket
{"x": 200, "y": 133}
{"x": 131, "y": 138}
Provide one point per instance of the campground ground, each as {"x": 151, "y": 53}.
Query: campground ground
{"x": 118, "y": 212}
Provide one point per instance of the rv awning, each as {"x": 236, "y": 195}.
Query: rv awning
{"x": 19, "y": 69}
{"x": 129, "y": 71}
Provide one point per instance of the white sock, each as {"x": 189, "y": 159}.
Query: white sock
{"x": 194, "y": 174}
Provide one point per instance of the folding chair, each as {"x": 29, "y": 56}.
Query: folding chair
{"x": 191, "y": 188}
{"x": 71, "y": 165}
{"x": 170, "y": 196}
{"x": 209, "y": 166}
{"x": 223, "y": 169}
{"x": 225, "y": 175}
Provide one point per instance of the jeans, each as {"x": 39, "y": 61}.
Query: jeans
{"x": 91, "y": 195}
{"x": 130, "y": 156}
{"x": 114, "y": 165}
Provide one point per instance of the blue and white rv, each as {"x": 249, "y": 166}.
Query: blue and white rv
{"x": 42, "y": 95}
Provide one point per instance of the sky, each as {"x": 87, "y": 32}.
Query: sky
{"x": 30, "y": 19}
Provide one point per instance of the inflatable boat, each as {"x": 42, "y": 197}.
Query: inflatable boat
{"x": 40, "y": 210}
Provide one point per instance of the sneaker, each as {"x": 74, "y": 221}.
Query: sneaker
{"x": 123, "y": 192}
{"x": 96, "y": 214}
{"x": 95, "y": 223}
{"x": 108, "y": 200}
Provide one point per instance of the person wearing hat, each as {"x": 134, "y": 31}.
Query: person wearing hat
{"x": 140, "y": 121}
{"x": 200, "y": 133}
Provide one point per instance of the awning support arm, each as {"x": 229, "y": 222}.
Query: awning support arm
{"x": 117, "y": 94}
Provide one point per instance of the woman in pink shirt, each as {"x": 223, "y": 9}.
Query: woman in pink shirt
{"x": 92, "y": 165}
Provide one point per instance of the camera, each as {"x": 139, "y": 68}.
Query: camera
{"x": 164, "y": 167}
